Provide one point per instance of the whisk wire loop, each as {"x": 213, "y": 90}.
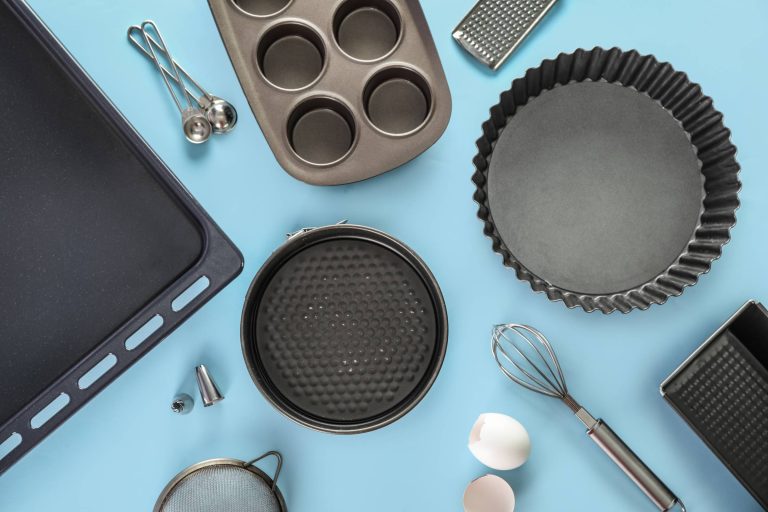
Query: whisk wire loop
{"x": 537, "y": 386}
{"x": 558, "y": 384}
{"x": 550, "y": 380}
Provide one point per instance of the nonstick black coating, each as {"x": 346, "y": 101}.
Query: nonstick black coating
{"x": 97, "y": 237}
{"x": 595, "y": 187}
{"x": 87, "y": 234}
{"x": 721, "y": 390}
{"x": 344, "y": 329}
{"x": 607, "y": 180}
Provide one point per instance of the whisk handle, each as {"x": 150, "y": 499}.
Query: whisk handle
{"x": 633, "y": 467}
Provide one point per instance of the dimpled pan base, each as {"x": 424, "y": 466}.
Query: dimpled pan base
{"x": 344, "y": 329}
{"x": 607, "y": 180}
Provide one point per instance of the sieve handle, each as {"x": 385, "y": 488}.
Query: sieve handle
{"x": 633, "y": 467}
{"x": 277, "y": 456}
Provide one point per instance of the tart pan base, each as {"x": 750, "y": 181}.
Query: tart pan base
{"x": 596, "y": 187}
{"x": 607, "y": 180}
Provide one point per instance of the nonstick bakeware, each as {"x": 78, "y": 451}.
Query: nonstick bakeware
{"x": 344, "y": 329}
{"x": 607, "y": 180}
{"x": 343, "y": 90}
{"x": 103, "y": 251}
{"x": 721, "y": 390}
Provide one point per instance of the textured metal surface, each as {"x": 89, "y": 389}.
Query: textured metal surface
{"x": 722, "y": 391}
{"x": 352, "y": 43}
{"x": 219, "y": 488}
{"x": 685, "y": 104}
{"x": 493, "y": 29}
{"x": 219, "y": 485}
{"x": 344, "y": 333}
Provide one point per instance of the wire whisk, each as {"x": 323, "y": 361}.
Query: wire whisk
{"x": 527, "y": 358}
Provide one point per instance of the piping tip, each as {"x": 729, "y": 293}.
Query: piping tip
{"x": 208, "y": 390}
{"x": 182, "y": 404}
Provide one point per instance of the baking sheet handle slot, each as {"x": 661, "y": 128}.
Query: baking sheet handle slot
{"x": 187, "y": 296}
{"x": 9, "y": 444}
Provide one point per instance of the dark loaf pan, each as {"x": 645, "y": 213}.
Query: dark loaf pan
{"x": 343, "y": 90}
{"x": 721, "y": 391}
{"x": 103, "y": 251}
{"x": 607, "y": 180}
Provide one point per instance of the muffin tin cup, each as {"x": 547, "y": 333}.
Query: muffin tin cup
{"x": 261, "y": 8}
{"x": 367, "y": 30}
{"x": 321, "y": 131}
{"x": 398, "y": 101}
{"x": 371, "y": 63}
{"x": 290, "y": 56}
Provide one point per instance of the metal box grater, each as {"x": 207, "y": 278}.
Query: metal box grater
{"x": 493, "y": 29}
{"x": 721, "y": 390}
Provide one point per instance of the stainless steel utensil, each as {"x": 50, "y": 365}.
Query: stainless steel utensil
{"x": 209, "y": 392}
{"x": 220, "y": 113}
{"x": 224, "y": 484}
{"x": 493, "y": 29}
{"x": 197, "y": 129}
{"x": 182, "y": 404}
{"x": 527, "y": 358}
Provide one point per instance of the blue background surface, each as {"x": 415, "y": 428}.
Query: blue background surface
{"x": 120, "y": 450}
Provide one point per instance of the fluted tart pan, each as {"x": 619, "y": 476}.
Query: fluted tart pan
{"x": 607, "y": 180}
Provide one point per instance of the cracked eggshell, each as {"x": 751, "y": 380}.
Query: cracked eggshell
{"x": 499, "y": 442}
{"x": 489, "y": 494}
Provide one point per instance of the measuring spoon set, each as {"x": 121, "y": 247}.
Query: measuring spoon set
{"x": 202, "y": 114}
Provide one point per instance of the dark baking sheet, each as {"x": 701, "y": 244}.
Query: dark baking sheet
{"x": 344, "y": 329}
{"x": 97, "y": 235}
{"x": 721, "y": 390}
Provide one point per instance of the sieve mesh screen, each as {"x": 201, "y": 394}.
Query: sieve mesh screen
{"x": 221, "y": 488}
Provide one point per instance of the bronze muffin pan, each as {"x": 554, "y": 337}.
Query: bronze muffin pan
{"x": 343, "y": 90}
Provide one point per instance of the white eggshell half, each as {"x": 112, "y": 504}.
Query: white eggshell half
{"x": 499, "y": 442}
{"x": 489, "y": 494}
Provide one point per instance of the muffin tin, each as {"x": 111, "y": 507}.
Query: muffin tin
{"x": 343, "y": 90}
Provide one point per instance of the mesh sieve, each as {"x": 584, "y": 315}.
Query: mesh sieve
{"x": 223, "y": 485}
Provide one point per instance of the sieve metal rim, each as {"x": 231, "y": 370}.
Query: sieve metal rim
{"x": 248, "y": 466}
